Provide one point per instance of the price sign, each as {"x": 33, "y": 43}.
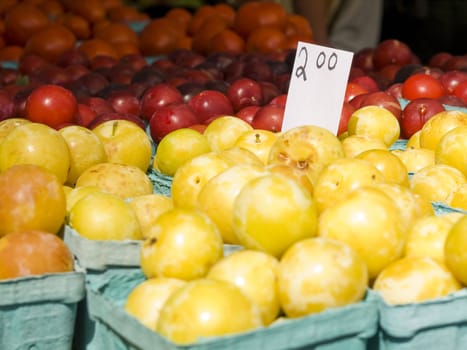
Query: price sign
{"x": 317, "y": 87}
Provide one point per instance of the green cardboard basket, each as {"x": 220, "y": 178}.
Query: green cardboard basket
{"x": 103, "y": 260}
{"x": 39, "y": 312}
{"x": 162, "y": 184}
{"x": 431, "y": 325}
{"x": 441, "y": 208}
{"x": 400, "y": 144}
{"x": 97, "y": 258}
{"x": 101, "y": 255}
{"x": 347, "y": 328}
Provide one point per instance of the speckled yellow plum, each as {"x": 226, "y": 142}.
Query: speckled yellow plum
{"x": 415, "y": 279}
{"x": 104, "y": 216}
{"x": 207, "y": 308}
{"x": 184, "y": 244}
{"x": 308, "y": 148}
{"x": 342, "y": 176}
{"x": 146, "y": 300}
{"x": 272, "y": 212}
{"x": 255, "y": 273}
{"x": 218, "y": 195}
{"x": 369, "y": 222}
{"x": 318, "y": 273}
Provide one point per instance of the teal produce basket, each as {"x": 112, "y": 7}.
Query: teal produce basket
{"x": 98, "y": 259}
{"x": 94, "y": 255}
{"x": 346, "y": 328}
{"x": 162, "y": 184}
{"x": 103, "y": 261}
{"x": 39, "y": 312}
{"x": 431, "y": 325}
{"x": 441, "y": 208}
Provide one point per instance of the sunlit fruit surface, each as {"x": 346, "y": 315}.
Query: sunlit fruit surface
{"x": 123, "y": 180}
{"x": 454, "y": 253}
{"x": 272, "y": 212}
{"x": 335, "y": 275}
{"x": 206, "y": 308}
{"x": 104, "y": 216}
{"x": 218, "y": 195}
{"x": 255, "y": 273}
{"x": 184, "y": 244}
{"x": 308, "y": 148}
{"x": 369, "y": 222}
{"x": 415, "y": 279}
{"x": 145, "y": 301}
{"x": 35, "y": 143}
{"x": 33, "y": 252}
{"x": 178, "y": 147}
{"x": 32, "y": 198}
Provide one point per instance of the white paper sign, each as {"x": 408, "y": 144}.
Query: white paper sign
{"x": 317, "y": 87}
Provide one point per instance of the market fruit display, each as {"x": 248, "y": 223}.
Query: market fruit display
{"x": 135, "y": 89}
{"x": 169, "y": 100}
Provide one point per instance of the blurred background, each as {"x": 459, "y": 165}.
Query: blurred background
{"x": 427, "y": 26}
